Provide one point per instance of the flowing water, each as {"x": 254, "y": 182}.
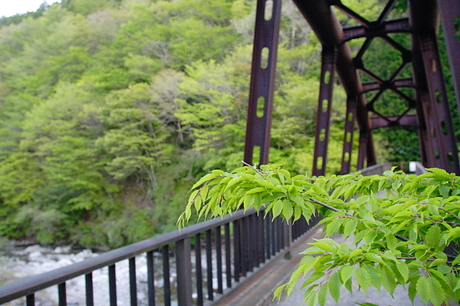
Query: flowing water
{"x": 19, "y": 263}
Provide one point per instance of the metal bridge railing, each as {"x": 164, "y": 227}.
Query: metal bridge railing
{"x": 198, "y": 264}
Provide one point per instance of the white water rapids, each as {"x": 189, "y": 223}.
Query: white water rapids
{"x": 19, "y": 263}
{"x": 33, "y": 260}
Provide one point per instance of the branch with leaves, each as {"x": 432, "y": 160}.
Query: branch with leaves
{"x": 401, "y": 227}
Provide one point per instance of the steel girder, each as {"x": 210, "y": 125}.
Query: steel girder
{"x": 260, "y": 104}
{"x": 324, "y": 110}
{"x": 437, "y": 135}
{"x": 450, "y": 18}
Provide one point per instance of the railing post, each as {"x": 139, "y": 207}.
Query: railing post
{"x": 288, "y": 238}
{"x": 184, "y": 272}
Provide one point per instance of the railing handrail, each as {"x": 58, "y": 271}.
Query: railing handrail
{"x": 39, "y": 282}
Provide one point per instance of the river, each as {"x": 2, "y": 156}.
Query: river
{"x": 19, "y": 263}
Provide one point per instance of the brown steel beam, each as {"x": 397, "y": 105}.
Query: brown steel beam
{"x": 437, "y": 134}
{"x": 348, "y": 135}
{"x": 323, "y": 114}
{"x": 405, "y": 82}
{"x": 260, "y": 104}
{"x": 391, "y": 26}
{"x": 330, "y": 33}
{"x": 450, "y": 17}
{"x": 407, "y": 120}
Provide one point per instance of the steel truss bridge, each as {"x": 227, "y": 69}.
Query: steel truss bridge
{"x": 214, "y": 257}
{"x": 427, "y": 109}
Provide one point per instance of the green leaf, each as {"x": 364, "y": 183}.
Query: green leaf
{"x": 412, "y": 291}
{"x": 349, "y": 285}
{"x": 326, "y": 244}
{"x": 434, "y": 210}
{"x": 255, "y": 190}
{"x": 257, "y": 201}
{"x": 374, "y": 257}
{"x": 307, "y": 263}
{"x": 206, "y": 178}
{"x": 248, "y": 201}
{"x": 458, "y": 285}
{"x": 193, "y": 196}
{"x": 370, "y": 236}
{"x": 312, "y": 278}
{"x": 197, "y": 202}
{"x": 392, "y": 242}
{"x": 438, "y": 294}
{"x": 424, "y": 289}
{"x": 388, "y": 280}
{"x": 374, "y": 274}
{"x": 293, "y": 280}
{"x": 346, "y": 272}
{"x": 278, "y": 292}
{"x": 359, "y": 235}
{"x": 322, "y": 295}
{"x": 444, "y": 191}
{"x": 277, "y": 207}
{"x": 265, "y": 183}
{"x": 204, "y": 193}
{"x": 287, "y": 209}
{"x": 362, "y": 276}
{"x": 356, "y": 252}
{"x": 403, "y": 269}
{"x": 334, "y": 226}
{"x": 349, "y": 226}
{"x": 433, "y": 236}
{"x": 313, "y": 298}
{"x": 334, "y": 286}
{"x": 309, "y": 293}
{"x": 298, "y": 200}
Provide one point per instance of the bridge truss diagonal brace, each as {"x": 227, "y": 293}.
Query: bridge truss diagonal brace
{"x": 260, "y": 104}
{"x": 323, "y": 114}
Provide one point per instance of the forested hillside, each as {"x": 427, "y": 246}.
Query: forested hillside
{"x": 111, "y": 109}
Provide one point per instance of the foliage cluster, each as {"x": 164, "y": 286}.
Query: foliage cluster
{"x": 402, "y": 229}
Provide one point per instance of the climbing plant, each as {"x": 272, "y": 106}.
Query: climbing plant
{"x": 402, "y": 229}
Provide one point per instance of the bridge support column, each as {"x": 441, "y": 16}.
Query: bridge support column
{"x": 348, "y": 135}
{"x": 450, "y": 17}
{"x": 260, "y": 105}
{"x": 445, "y": 154}
{"x": 323, "y": 114}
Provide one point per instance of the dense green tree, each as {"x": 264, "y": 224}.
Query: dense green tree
{"x": 136, "y": 141}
